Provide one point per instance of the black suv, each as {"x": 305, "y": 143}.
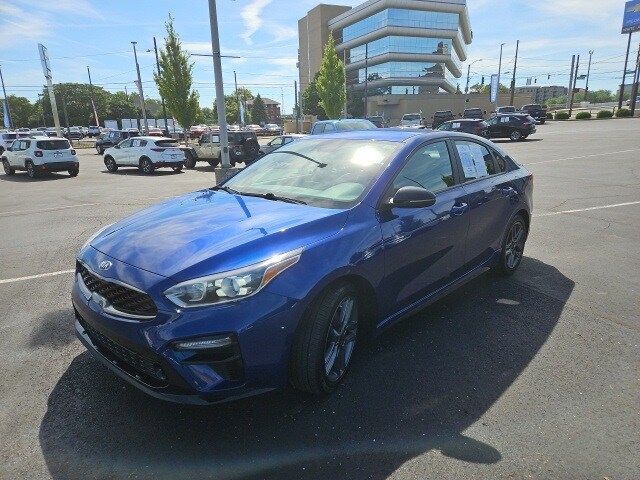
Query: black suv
{"x": 114, "y": 137}
{"x": 440, "y": 117}
{"x": 515, "y": 126}
{"x": 472, "y": 113}
{"x": 476, "y": 126}
{"x": 538, "y": 112}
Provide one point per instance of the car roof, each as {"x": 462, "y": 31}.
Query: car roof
{"x": 381, "y": 134}
{"x": 44, "y": 137}
{"x": 457, "y": 120}
{"x": 149, "y": 137}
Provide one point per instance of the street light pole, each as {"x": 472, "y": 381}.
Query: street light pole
{"x": 217, "y": 72}
{"x": 93, "y": 102}
{"x": 499, "y": 69}
{"x": 140, "y": 91}
{"x": 466, "y": 89}
{"x": 513, "y": 78}
{"x": 6, "y": 100}
{"x": 586, "y": 88}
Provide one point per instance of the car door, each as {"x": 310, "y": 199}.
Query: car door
{"x": 136, "y": 150}
{"x": 494, "y": 127}
{"x": 122, "y": 153}
{"x": 422, "y": 246}
{"x": 14, "y": 154}
{"x": 485, "y": 199}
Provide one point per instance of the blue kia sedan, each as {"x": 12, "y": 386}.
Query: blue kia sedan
{"x": 276, "y": 276}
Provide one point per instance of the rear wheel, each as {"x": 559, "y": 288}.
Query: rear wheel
{"x": 190, "y": 161}
{"x": 31, "y": 169}
{"x": 8, "y": 169}
{"x": 177, "y": 168}
{"x": 326, "y": 341}
{"x": 110, "y": 163}
{"x": 146, "y": 166}
{"x": 73, "y": 172}
{"x": 513, "y": 246}
{"x": 515, "y": 135}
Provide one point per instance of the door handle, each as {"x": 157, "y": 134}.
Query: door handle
{"x": 458, "y": 210}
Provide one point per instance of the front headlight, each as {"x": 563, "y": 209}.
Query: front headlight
{"x": 92, "y": 237}
{"x": 232, "y": 285}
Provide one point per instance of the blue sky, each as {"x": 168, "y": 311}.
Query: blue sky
{"x": 81, "y": 33}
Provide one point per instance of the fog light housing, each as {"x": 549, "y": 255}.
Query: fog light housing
{"x": 204, "y": 343}
{"x": 219, "y": 352}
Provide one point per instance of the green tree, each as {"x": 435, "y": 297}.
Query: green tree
{"x": 175, "y": 79}
{"x": 121, "y": 105}
{"x": 77, "y": 97}
{"x": 311, "y": 100}
{"x": 231, "y": 108}
{"x": 21, "y": 111}
{"x": 258, "y": 110}
{"x": 330, "y": 82}
{"x": 486, "y": 88}
{"x": 208, "y": 115}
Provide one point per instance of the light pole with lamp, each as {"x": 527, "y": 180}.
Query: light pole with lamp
{"x": 499, "y": 69}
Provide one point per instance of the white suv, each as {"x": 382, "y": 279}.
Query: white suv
{"x": 146, "y": 153}
{"x": 6, "y": 139}
{"x": 40, "y": 154}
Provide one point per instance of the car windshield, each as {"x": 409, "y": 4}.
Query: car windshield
{"x": 330, "y": 173}
{"x": 411, "y": 117}
{"x": 9, "y": 136}
{"x": 52, "y": 144}
{"x": 351, "y": 125}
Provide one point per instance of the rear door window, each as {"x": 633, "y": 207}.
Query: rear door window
{"x": 476, "y": 160}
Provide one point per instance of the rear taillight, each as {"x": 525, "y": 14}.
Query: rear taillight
{"x": 73, "y": 152}
{"x": 157, "y": 149}
{"x": 38, "y": 153}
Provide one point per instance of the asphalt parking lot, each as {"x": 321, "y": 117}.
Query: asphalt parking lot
{"x": 536, "y": 376}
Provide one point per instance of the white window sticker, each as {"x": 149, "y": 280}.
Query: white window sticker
{"x": 456, "y": 125}
{"x": 466, "y": 158}
{"x": 478, "y": 159}
{"x": 504, "y": 119}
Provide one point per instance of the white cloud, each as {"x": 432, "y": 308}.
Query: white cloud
{"x": 252, "y": 16}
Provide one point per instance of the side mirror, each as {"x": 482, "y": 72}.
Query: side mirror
{"x": 412, "y": 197}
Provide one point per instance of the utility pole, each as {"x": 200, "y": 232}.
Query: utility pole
{"x": 217, "y": 73}
{"x": 66, "y": 120}
{"x": 93, "y": 102}
{"x": 140, "y": 91}
{"x": 235, "y": 81}
{"x": 344, "y": 63}
{"x": 499, "y": 71}
{"x": 573, "y": 87}
{"x": 636, "y": 79}
{"x": 164, "y": 110}
{"x": 624, "y": 73}
{"x": 586, "y": 88}
{"x": 570, "y": 89}
{"x": 6, "y": 100}
{"x": 297, "y": 107}
{"x": 466, "y": 88}
{"x": 513, "y": 78}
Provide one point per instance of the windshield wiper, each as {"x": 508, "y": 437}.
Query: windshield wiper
{"x": 320, "y": 164}
{"x": 225, "y": 189}
{"x": 267, "y": 196}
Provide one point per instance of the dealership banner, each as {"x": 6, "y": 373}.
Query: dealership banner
{"x": 494, "y": 88}
{"x": 631, "y": 20}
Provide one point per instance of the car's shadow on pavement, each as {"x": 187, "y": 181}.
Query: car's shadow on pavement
{"x": 135, "y": 172}
{"x": 22, "y": 177}
{"x": 416, "y": 389}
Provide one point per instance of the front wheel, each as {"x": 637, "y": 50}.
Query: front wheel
{"x": 146, "y": 166}
{"x": 515, "y": 136}
{"x": 513, "y": 246}
{"x": 100, "y": 150}
{"x": 8, "y": 169}
{"x": 111, "y": 165}
{"x": 326, "y": 341}
{"x": 190, "y": 161}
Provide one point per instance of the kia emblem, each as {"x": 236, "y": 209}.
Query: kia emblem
{"x": 105, "y": 265}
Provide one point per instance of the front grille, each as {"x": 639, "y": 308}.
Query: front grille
{"x": 143, "y": 368}
{"x": 123, "y": 299}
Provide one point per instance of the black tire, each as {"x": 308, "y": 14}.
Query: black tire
{"x": 515, "y": 136}
{"x": 177, "y": 168}
{"x": 110, "y": 163}
{"x": 513, "y": 248}
{"x": 8, "y": 169}
{"x": 73, "y": 172}
{"x": 190, "y": 161}
{"x": 31, "y": 169}
{"x": 146, "y": 166}
{"x": 251, "y": 149}
{"x": 215, "y": 162}
{"x": 314, "y": 338}
{"x": 100, "y": 150}
{"x": 542, "y": 122}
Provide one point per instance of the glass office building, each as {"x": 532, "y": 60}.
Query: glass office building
{"x": 403, "y": 46}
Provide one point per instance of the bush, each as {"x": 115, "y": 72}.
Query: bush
{"x": 583, "y": 116}
{"x": 604, "y": 114}
{"x": 549, "y": 115}
{"x": 562, "y": 116}
{"x": 623, "y": 113}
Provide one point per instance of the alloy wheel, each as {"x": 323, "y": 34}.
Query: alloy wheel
{"x": 514, "y": 246}
{"x": 341, "y": 338}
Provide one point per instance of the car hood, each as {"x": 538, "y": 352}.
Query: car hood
{"x": 211, "y": 231}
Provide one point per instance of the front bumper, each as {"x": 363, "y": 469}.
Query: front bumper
{"x": 57, "y": 166}
{"x": 144, "y": 354}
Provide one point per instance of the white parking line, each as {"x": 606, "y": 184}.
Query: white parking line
{"x": 577, "y": 210}
{"x": 42, "y": 210}
{"x": 39, "y": 275}
{"x": 583, "y": 156}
